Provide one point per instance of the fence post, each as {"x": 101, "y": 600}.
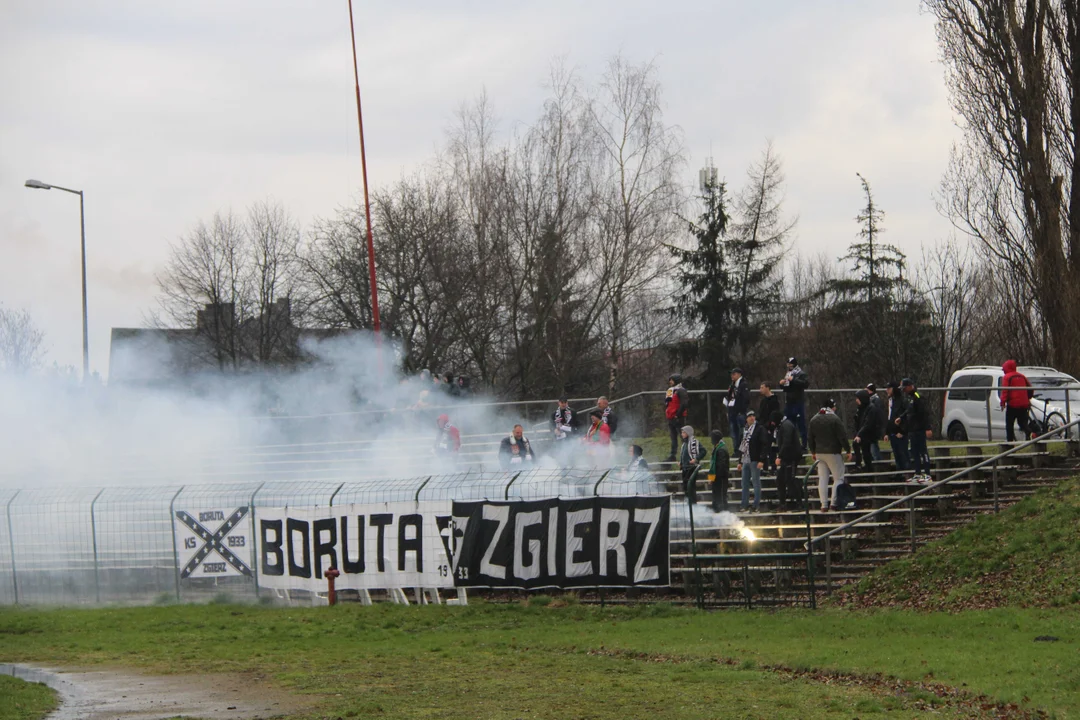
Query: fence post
{"x": 254, "y": 539}
{"x": 828, "y": 567}
{"x": 422, "y": 486}
{"x": 1069, "y": 450}
{"x": 334, "y": 494}
{"x": 596, "y": 487}
{"x": 11, "y": 545}
{"x": 693, "y": 544}
{"x": 175, "y": 551}
{"x": 93, "y": 538}
{"x": 989, "y": 422}
{"x": 708, "y": 405}
{"x": 809, "y": 538}
{"x": 995, "y": 474}
{"x": 506, "y": 494}
{"x": 911, "y": 522}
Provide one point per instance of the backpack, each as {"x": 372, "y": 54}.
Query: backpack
{"x": 845, "y": 496}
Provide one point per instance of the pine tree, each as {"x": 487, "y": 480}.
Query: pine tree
{"x": 704, "y": 278}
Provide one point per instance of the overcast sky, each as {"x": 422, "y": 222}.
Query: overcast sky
{"x": 164, "y": 113}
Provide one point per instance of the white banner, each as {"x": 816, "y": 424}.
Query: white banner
{"x": 373, "y": 546}
{"x": 213, "y": 542}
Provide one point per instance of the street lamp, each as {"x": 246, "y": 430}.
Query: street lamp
{"x": 38, "y": 185}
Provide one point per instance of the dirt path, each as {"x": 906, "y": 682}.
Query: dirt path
{"x": 113, "y": 695}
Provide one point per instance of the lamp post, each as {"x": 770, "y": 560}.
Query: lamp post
{"x": 38, "y": 185}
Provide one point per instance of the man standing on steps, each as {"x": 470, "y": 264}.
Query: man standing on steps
{"x": 1015, "y": 400}
{"x": 610, "y": 419}
{"x": 879, "y": 411}
{"x": 917, "y": 417}
{"x": 676, "y": 406}
{"x": 719, "y": 472}
{"x": 768, "y": 405}
{"x": 737, "y": 402}
{"x": 871, "y": 423}
{"x": 896, "y": 426}
{"x": 794, "y": 386}
{"x": 828, "y": 441}
{"x": 789, "y": 453}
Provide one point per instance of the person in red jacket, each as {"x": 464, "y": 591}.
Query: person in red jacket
{"x": 448, "y": 438}
{"x": 1016, "y": 402}
{"x": 676, "y": 406}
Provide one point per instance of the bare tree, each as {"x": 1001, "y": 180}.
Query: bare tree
{"x": 638, "y": 192}
{"x": 1013, "y": 71}
{"x": 22, "y": 342}
{"x": 233, "y": 280}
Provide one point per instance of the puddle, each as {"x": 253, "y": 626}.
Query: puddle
{"x": 112, "y": 695}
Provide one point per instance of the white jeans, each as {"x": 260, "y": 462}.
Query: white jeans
{"x": 829, "y": 465}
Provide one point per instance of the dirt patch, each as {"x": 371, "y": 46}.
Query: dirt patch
{"x": 114, "y": 694}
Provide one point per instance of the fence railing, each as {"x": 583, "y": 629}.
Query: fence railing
{"x": 72, "y": 546}
{"x": 909, "y": 499}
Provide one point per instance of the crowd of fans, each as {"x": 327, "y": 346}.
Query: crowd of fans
{"x": 771, "y": 440}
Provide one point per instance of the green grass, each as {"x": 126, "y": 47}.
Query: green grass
{"x": 1027, "y": 556}
{"x": 21, "y": 700}
{"x": 555, "y": 660}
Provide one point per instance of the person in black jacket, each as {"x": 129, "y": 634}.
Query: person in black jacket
{"x": 875, "y": 399}
{"x": 869, "y": 424}
{"x": 752, "y": 449}
{"x": 794, "y": 386}
{"x": 515, "y": 451}
{"x": 690, "y": 458}
{"x": 917, "y": 417}
{"x": 610, "y": 419}
{"x": 718, "y": 472}
{"x": 896, "y": 432}
{"x": 737, "y": 402}
{"x": 789, "y": 453}
{"x": 768, "y": 405}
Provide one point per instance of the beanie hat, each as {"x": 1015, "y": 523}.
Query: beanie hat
{"x": 793, "y": 361}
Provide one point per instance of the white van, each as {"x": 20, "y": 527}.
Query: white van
{"x": 965, "y": 403}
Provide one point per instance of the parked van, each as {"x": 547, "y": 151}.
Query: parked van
{"x": 965, "y": 415}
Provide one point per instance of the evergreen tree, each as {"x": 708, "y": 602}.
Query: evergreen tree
{"x": 876, "y": 324}
{"x": 704, "y": 278}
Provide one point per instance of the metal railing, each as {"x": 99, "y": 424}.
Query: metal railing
{"x": 75, "y": 546}
{"x": 909, "y": 499}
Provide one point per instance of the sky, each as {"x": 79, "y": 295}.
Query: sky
{"x": 164, "y": 113}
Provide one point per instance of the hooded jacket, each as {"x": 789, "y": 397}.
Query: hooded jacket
{"x": 448, "y": 438}
{"x": 871, "y": 422}
{"x": 788, "y": 443}
{"x": 691, "y": 449}
{"x": 917, "y": 416}
{"x": 1020, "y": 398}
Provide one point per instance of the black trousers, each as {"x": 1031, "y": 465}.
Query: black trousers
{"x": 864, "y": 457}
{"x": 675, "y": 428}
{"x": 719, "y": 488}
{"x": 787, "y": 486}
{"x": 1018, "y": 415}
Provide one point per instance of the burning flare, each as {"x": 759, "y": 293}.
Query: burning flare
{"x": 747, "y": 534}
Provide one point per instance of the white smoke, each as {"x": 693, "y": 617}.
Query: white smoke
{"x": 347, "y": 415}
{"x": 706, "y": 520}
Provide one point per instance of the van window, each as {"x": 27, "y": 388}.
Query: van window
{"x": 980, "y": 381}
{"x": 963, "y": 381}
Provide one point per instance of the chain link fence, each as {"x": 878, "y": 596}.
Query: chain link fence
{"x": 85, "y": 546}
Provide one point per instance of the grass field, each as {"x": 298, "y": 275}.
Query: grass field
{"x": 21, "y": 700}
{"x": 1029, "y": 555}
{"x": 550, "y": 660}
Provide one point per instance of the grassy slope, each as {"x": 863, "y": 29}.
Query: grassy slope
{"x": 21, "y": 700}
{"x": 1028, "y": 556}
{"x": 498, "y": 661}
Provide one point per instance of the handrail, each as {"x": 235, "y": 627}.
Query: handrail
{"x": 933, "y": 486}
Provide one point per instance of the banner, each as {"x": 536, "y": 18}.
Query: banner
{"x": 373, "y": 546}
{"x": 589, "y": 542}
{"x": 213, "y": 542}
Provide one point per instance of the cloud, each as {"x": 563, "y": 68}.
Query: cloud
{"x": 165, "y": 113}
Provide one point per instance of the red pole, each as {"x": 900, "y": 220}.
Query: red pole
{"x": 363, "y": 168}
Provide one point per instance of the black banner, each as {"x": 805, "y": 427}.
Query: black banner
{"x": 589, "y": 542}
